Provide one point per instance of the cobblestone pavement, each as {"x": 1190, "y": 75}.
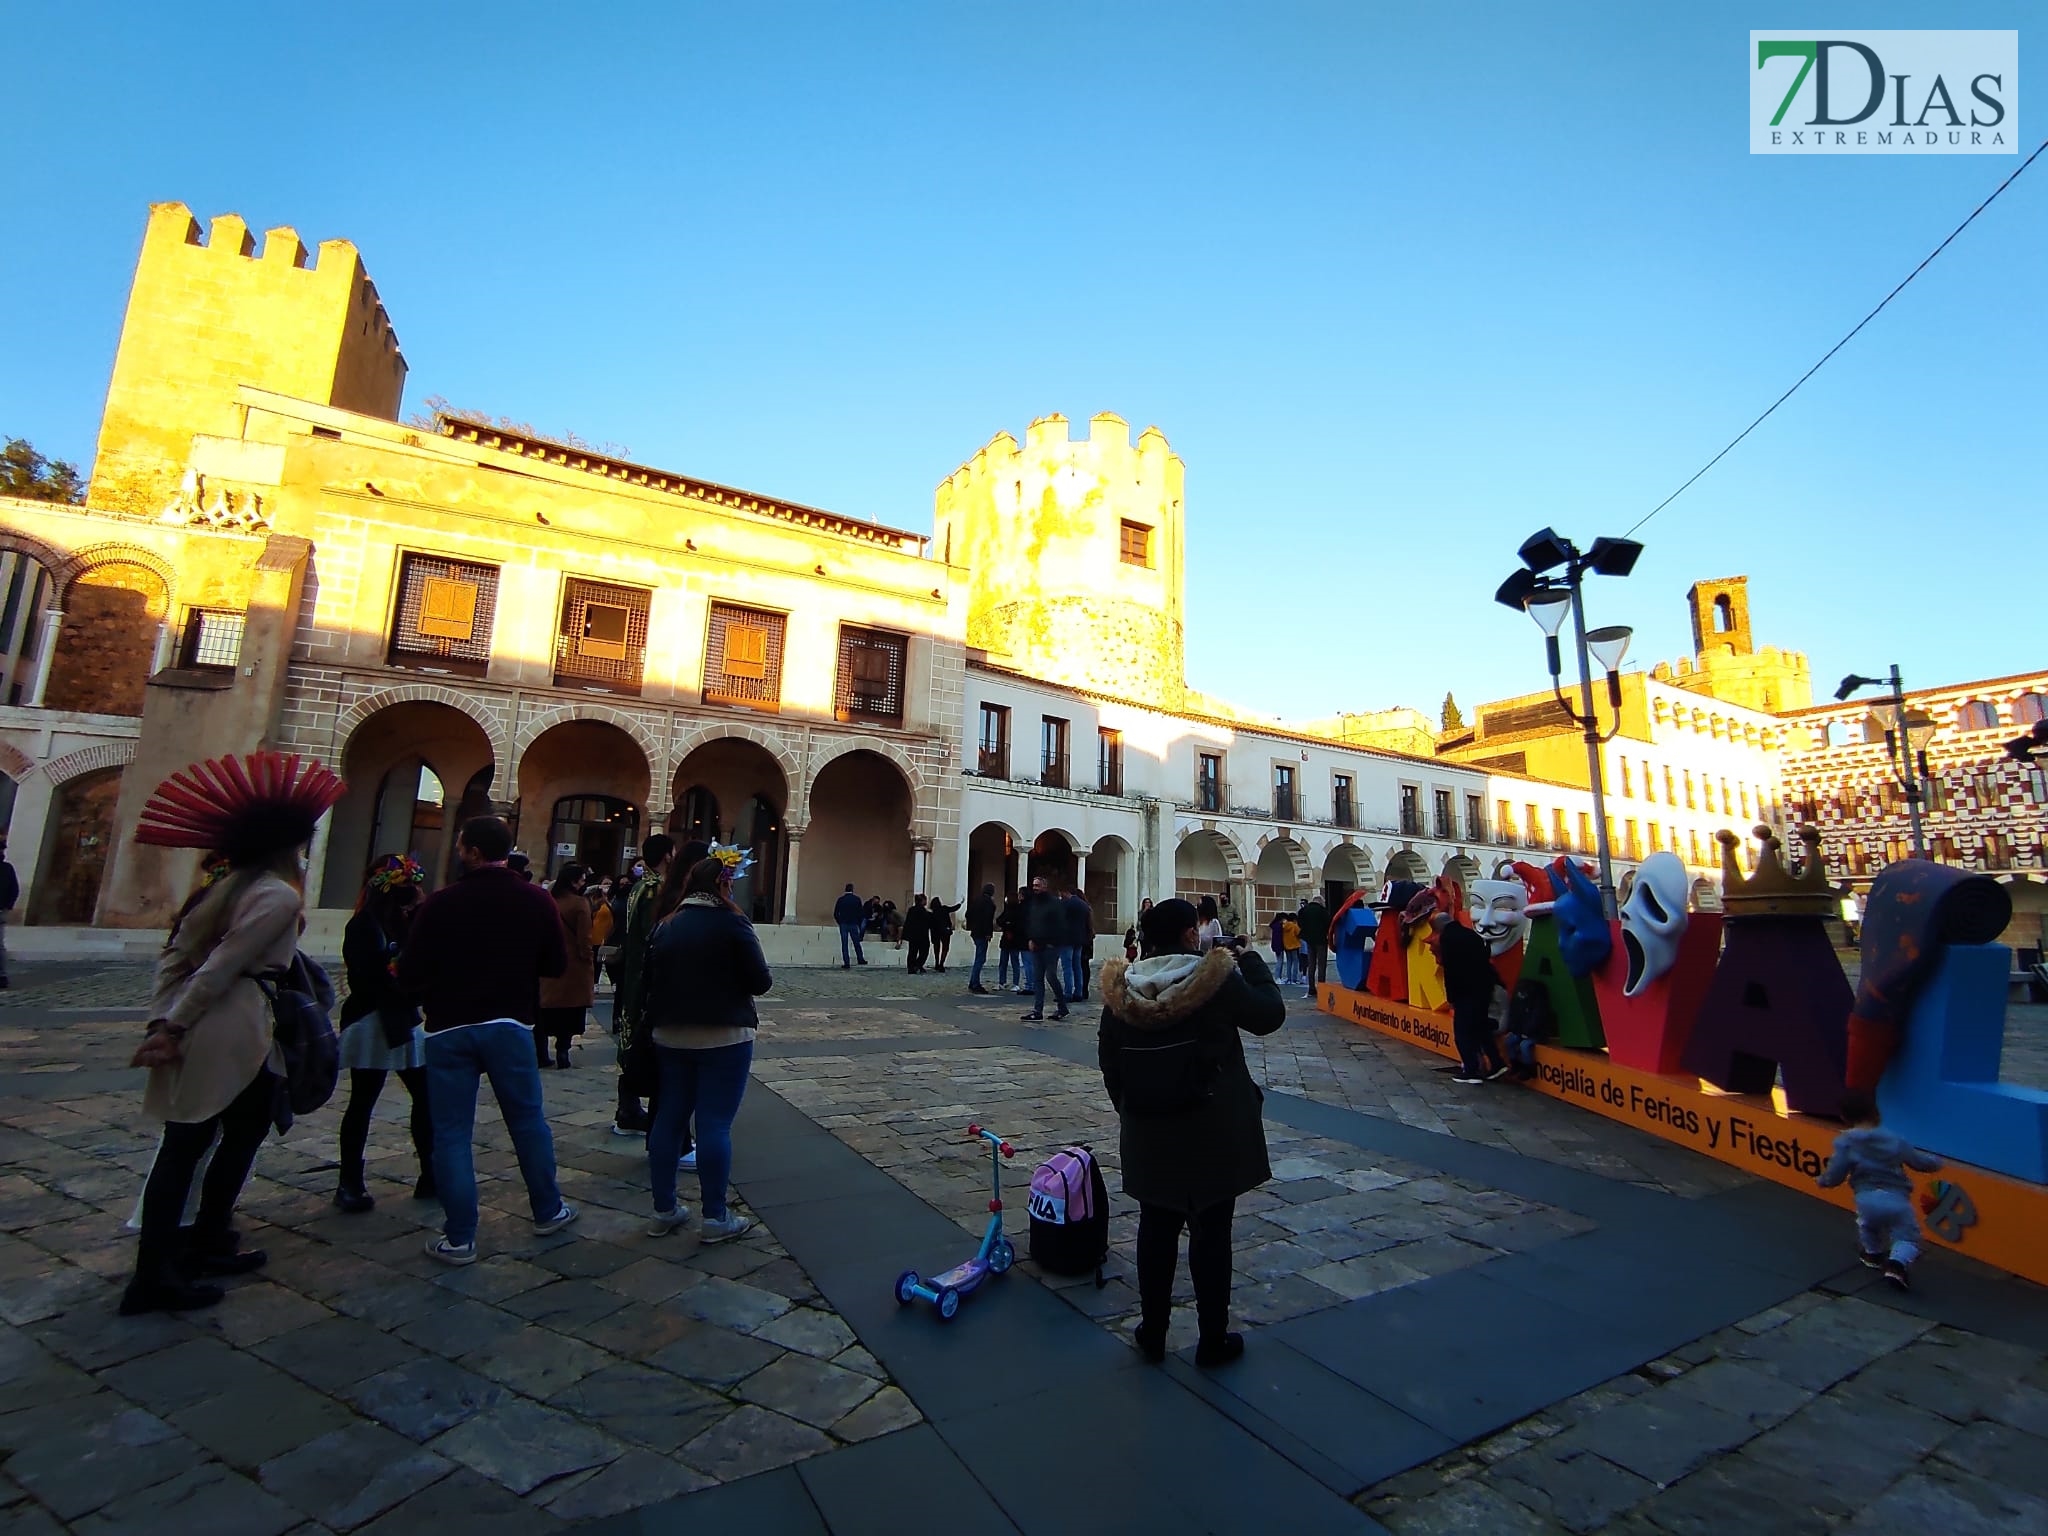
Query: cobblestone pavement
{"x": 1826, "y": 1413}
{"x": 355, "y": 1386}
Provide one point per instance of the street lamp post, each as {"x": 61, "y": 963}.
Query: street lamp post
{"x": 1548, "y": 599}
{"x": 1905, "y": 745}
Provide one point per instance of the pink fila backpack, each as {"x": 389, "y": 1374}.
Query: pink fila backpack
{"x": 1070, "y": 1214}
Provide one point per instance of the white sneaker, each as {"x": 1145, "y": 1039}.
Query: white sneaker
{"x": 451, "y": 1253}
{"x": 718, "y": 1229}
{"x": 556, "y": 1222}
{"x": 688, "y": 1161}
{"x": 1463, "y": 1081}
{"x": 665, "y": 1222}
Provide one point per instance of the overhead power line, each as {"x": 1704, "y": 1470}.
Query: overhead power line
{"x": 1831, "y": 351}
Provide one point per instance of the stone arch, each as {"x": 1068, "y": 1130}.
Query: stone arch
{"x": 1406, "y": 864}
{"x": 828, "y": 750}
{"x": 1110, "y": 883}
{"x": 995, "y": 855}
{"x": 52, "y": 560}
{"x": 1296, "y": 855}
{"x": 1349, "y": 865}
{"x": 385, "y": 747}
{"x": 859, "y": 829}
{"x": 1463, "y": 868}
{"x": 63, "y": 575}
{"x": 423, "y": 693}
{"x": 14, "y": 762}
{"x": 1225, "y": 846}
{"x": 103, "y": 754}
{"x": 539, "y": 725}
{"x": 682, "y": 743}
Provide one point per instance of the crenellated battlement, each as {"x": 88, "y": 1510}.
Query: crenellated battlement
{"x": 210, "y": 312}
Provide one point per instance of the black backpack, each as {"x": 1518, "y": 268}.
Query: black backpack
{"x": 1529, "y": 1012}
{"x": 302, "y": 1013}
{"x": 1069, "y": 1206}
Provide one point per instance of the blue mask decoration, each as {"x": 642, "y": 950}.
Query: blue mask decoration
{"x": 1583, "y": 938}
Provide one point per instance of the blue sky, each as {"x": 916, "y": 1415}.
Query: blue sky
{"x": 1401, "y": 283}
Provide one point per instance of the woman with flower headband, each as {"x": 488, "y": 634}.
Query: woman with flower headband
{"x": 214, "y": 1065}
{"x": 381, "y": 1031}
{"x": 704, "y": 970}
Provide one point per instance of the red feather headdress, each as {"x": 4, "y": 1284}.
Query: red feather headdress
{"x": 246, "y": 807}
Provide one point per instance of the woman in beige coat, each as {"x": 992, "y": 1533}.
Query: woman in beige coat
{"x": 213, "y": 1064}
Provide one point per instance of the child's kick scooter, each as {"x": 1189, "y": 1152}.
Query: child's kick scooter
{"x": 993, "y": 1256}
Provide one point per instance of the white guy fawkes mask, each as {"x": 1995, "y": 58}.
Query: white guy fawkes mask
{"x": 1653, "y": 919}
{"x": 1500, "y": 914}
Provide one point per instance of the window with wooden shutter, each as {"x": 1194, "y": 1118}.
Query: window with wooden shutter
{"x": 447, "y": 608}
{"x": 441, "y": 620}
{"x": 602, "y": 642}
{"x": 743, "y": 657}
{"x": 870, "y": 682}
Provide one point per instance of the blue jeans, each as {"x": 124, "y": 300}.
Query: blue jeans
{"x": 850, "y": 932}
{"x": 980, "y": 959}
{"x": 457, "y": 1060}
{"x": 1077, "y": 970}
{"x": 707, "y": 1085}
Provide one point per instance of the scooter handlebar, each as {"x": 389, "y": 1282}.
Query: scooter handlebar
{"x": 993, "y": 1140}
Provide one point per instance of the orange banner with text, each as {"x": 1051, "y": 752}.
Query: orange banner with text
{"x": 1996, "y": 1220}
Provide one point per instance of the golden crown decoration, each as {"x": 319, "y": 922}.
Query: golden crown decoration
{"x": 1774, "y": 889}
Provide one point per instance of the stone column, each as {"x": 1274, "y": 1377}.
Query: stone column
{"x": 1081, "y": 871}
{"x": 316, "y": 861}
{"x": 27, "y": 832}
{"x": 920, "y": 862}
{"x": 795, "y": 835}
{"x": 46, "y": 652}
{"x": 162, "y": 658}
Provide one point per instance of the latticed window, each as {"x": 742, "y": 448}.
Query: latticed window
{"x": 213, "y": 640}
{"x": 743, "y": 657}
{"x": 603, "y": 639}
{"x": 871, "y": 665}
{"x": 1134, "y": 543}
{"x": 444, "y": 614}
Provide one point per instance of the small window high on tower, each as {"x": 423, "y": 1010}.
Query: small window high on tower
{"x": 1135, "y": 543}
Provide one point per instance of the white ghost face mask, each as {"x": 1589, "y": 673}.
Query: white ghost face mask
{"x": 1653, "y": 920}
{"x": 1500, "y": 913}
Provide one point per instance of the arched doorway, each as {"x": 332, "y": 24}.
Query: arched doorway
{"x": 1052, "y": 855}
{"x": 582, "y": 789}
{"x": 859, "y": 831}
{"x": 1109, "y": 864}
{"x": 733, "y": 791}
{"x": 1462, "y": 868}
{"x": 1280, "y": 880}
{"x": 80, "y": 836}
{"x": 107, "y": 647}
{"x": 992, "y": 860}
{"x": 1205, "y": 863}
{"x": 399, "y": 763}
{"x": 1347, "y": 868}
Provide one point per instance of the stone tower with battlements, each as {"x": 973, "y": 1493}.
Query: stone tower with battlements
{"x": 1726, "y": 662}
{"x": 208, "y": 314}
{"x": 1076, "y": 549}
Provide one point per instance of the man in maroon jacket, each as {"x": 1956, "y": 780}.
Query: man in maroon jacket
{"x": 474, "y": 958}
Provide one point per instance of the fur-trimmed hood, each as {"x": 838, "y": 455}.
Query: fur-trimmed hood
{"x": 1160, "y": 992}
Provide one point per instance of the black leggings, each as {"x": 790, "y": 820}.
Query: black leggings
{"x": 364, "y": 1084}
{"x": 1472, "y": 1033}
{"x": 241, "y": 1128}
{"x": 1208, "y": 1264}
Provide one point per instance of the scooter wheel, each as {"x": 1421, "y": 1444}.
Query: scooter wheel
{"x": 1001, "y": 1256}
{"x": 906, "y": 1288}
{"x": 949, "y": 1303}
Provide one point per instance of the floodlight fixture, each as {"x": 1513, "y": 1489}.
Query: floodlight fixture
{"x": 1544, "y": 551}
{"x": 1614, "y": 557}
{"x": 1549, "y": 609}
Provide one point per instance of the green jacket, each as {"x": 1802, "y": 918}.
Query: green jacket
{"x": 629, "y": 970}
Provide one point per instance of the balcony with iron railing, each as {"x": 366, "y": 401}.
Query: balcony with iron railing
{"x": 1052, "y": 770}
{"x": 1208, "y": 795}
{"x": 1446, "y": 829}
{"x": 1284, "y": 804}
{"x": 1475, "y": 829}
{"x": 993, "y": 762}
{"x": 1344, "y": 814}
{"x": 1411, "y": 821}
{"x": 1110, "y": 777}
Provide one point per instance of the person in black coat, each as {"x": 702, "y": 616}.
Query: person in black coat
{"x": 1080, "y": 921}
{"x": 981, "y": 927}
{"x": 380, "y": 1031}
{"x": 917, "y": 934}
{"x": 1045, "y": 934}
{"x": 1193, "y": 1139}
{"x": 704, "y": 970}
{"x": 942, "y": 932}
{"x": 1010, "y": 962}
{"x": 1469, "y": 980}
